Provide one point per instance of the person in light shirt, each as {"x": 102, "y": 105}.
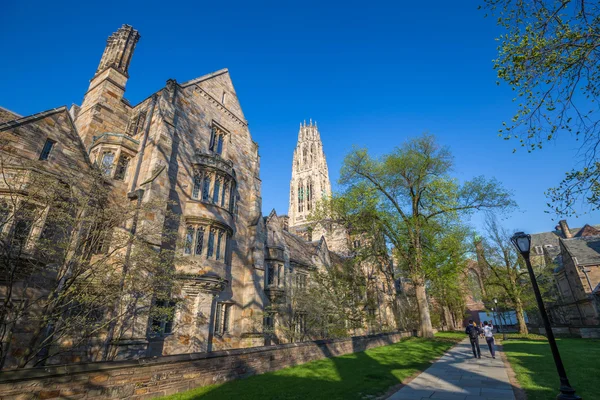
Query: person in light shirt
{"x": 488, "y": 332}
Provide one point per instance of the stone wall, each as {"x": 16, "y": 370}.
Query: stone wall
{"x": 159, "y": 376}
{"x": 590, "y": 332}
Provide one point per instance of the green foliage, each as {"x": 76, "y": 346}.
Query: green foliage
{"x": 410, "y": 197}
{"x": 549, "y": 56}
{"x": 532, "y": 362}
{"x": 353, "y": 376}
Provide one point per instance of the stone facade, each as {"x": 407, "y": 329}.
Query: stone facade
{"x": 574, "y": 257}
{"x": 154, "y": 377}
{"x": 186, "y": 147}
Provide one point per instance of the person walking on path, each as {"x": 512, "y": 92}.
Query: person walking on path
{"x": 473, "y": 331}
{"x": 488, "y": 332}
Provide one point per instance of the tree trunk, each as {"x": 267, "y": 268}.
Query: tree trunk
{"x": 423, "y": 306}
{"x": 520, "y": 317}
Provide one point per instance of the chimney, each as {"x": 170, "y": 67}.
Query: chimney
{"x": 564, "y": 227}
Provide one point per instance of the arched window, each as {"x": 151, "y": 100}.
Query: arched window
{"x": 309, "y": 195}
{"x": 312, "y": 154}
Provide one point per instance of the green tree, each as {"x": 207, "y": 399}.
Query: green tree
{"x": 73, "y": 269}
{"x": 549, "y": 56}
{"x": 414, "y": 195}
{"x": 508, "y": 273}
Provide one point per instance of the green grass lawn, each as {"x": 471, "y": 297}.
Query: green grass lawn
{"x": 351, "y": 376}
{"x": 532, "y": 361}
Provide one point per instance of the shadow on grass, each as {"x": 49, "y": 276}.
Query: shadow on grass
{"x": 359, "y": 375}
{"x": 535, "y": 369}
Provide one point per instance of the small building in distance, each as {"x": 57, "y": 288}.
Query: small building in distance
{"x": 574, "y": 257}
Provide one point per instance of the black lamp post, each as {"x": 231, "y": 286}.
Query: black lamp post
{"x": 522, "y": 242}
{"x": 498, "y": 316}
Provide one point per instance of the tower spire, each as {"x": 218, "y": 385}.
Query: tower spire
{"x": 310, "y": 176}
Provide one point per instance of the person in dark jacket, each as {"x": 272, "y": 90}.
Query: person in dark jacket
{"x": 473, "y": 331}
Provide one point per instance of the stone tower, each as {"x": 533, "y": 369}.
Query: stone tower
{"x": 104, "y": 109}
{"x": 310, "y": 176}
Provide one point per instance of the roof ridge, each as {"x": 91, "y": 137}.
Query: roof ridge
{"x": 20, "y": 121}
{"x": 205, "y": 77}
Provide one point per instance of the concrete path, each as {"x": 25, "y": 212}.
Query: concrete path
{"x": 460, "y": 376}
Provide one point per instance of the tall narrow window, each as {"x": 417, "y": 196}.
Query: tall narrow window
{"x": 219, "y": 239}
{"x": 189, "y": 239}
{"x": 270, "y": 275}
{"x": 199, "y": 241}
{"x": 137, "y": 124}
{"x": 225, "y": 188}
{"x": 300, "y": 197}
{"x": 223, "y": 98}
{"x": 222, "y": 318}
{"x": 4, "y": 213}
{"x": 211, "y": 243}
{"x": 47, "y": 148}
{"x": 197, "y": 185}
{"x": 216, "y": 190}
{"x": 205, "y": 187}
{"x": 278, "y": 274}
{"x": 122, "y": 168}
{"x": 304, "y": 155}
{"x": 162, "y": 319}
{"x": 108, "y": 159}
{"x": 220, "y": 145}
{"x": 23, "y": 224}
{"x": 308, "y": 195}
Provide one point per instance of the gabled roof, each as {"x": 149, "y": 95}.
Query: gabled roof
{"x": 585, "y": 249}
{"x": 7, "y": 115}
{"x": 34, "y": 117}
{"x": 588, "y": 230}
{"x": 205, "y": 77}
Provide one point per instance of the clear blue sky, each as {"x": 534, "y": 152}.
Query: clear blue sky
{"x": 371, "y": 74}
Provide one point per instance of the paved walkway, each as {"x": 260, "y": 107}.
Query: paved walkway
{"x": 460, "y": 376}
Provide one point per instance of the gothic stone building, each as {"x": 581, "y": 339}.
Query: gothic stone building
{"x": 573, "y": 254}
{"x": 188, "y": 147}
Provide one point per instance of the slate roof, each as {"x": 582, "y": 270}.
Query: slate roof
{"x": 585, "y": 249}
{"x": 300, "y": 250}
{"x": 543, "y": 238}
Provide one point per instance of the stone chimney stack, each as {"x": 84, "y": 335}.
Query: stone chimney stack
{"x": 104, "y": 109}
{"x": 119, "y": 49}
{"x": 564, "y": 227}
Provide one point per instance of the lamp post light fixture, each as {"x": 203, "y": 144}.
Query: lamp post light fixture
{"x": 522, "y": 242}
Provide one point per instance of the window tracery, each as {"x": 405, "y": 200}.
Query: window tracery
{"x": 206, "y": 240}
